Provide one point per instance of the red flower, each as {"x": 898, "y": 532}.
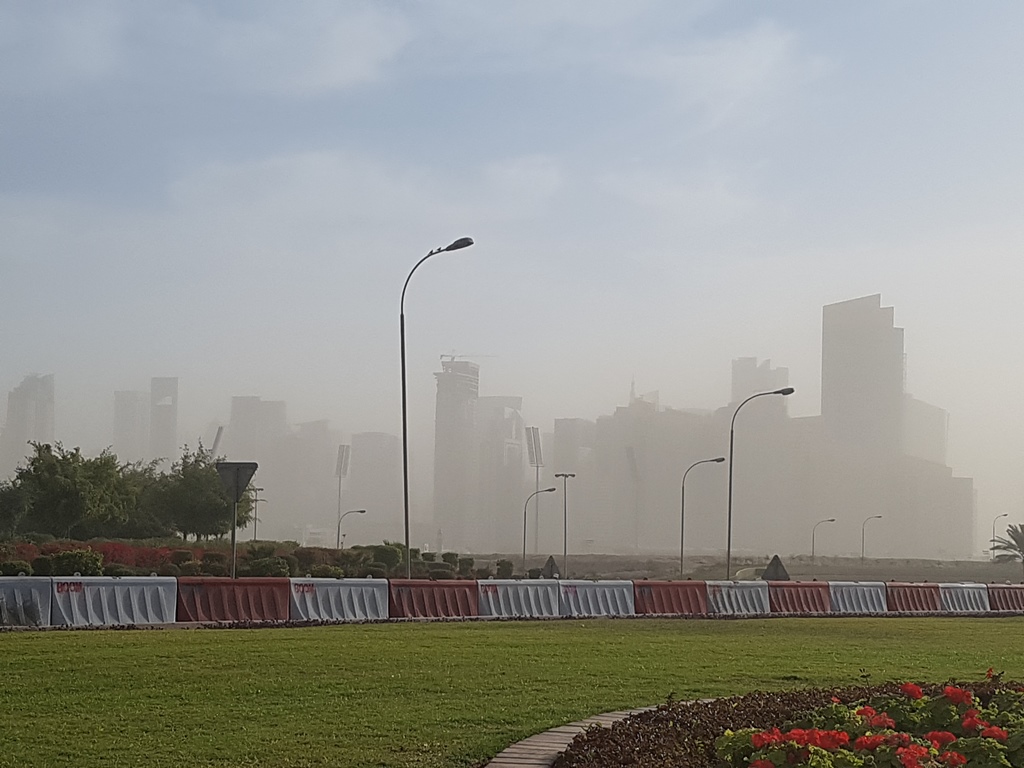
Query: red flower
{"x": 972, "y": 722}
{"x": 881, "y": 720}
{"x": 869, "y": 742}
{"x": 958, "y": 695}
{"x": 994, "y": 732}
{"x": 836, "y": 700}
{"x": 866, "y": 712}
{"x": 912, "y": 691}
{"x": 988, "y": 675}
{"x": 952, "y": 759}
{"x": 767, "y": 738}
{"x": 910, "y": 756}
{"x": 939, "y": 739}
{"x": 762, "y": 763}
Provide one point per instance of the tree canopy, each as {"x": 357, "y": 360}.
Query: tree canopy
{"x": 60, "y": 492}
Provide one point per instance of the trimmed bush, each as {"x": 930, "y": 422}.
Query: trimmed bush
{"x": 534, "y": 573}
{"x": 268, "y": 566}
{"x": 326, "y": 572}
{"x": 214, "y": 569}
{"x": 190, "y": 568}
{"x": 505, "y": 569}
{"x": 375, "y": 573}
{"x": 42, "y": 566}
{"x": 293, "y": 564}
{"x": 465, "y": 566}
{"x": 84, "y": 562}
{"x": 180, "y": 556}
{"x": 168, "y": 569}
{"x": 15, "y": 567}
{"x": 212, "y": 556}
{"x": 429, "y": 557}
{"x": 452, "y": 558}
{"x": 483, "y": 573}
{"x": 118, "y": 569}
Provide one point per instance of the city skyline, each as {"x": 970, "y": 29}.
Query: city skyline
{"x": 866, "y": 415}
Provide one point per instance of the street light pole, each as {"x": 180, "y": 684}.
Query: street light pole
{"x": 992, "y": 554}
{"x": 682, "y": 505}
{"x": 815, "y": 528}
{"x": 873, "y": 517}
{"x": 256, "y": 510}
{"x": 342, "y": 517}
{"x": 785, "y": 391}
{"x": 526, "y": 504}
{"x": 462, "y": 242}
{"x": 565, "y": 520}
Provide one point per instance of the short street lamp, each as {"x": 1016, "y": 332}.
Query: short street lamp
{"x": 350, "y": 512}
{"x": 815, "y": 528}
{"x": 462, "y": 242}
{"x": 991, "y": 551}
{"x": 682, "y": 505}
{"x": 873, "y": 517}
{"x": 785, "y": 391}
{"x": 565, "y": 520}
{"x": 525, "y": 505}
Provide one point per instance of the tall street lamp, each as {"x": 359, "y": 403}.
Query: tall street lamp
{"x": 350, "y": 512}
{"x": 525, "y": 505}
{"x": 256, "y": 509}
{"x": 462, "y": 242}
{"x": 682, "y": 505}
{"x": 565, "y": 520}
{"x": 815, "y": 528}
{"x": 992, "y": 554}
{"x": 785, "y": 391}
{"x": 873, "y": 517}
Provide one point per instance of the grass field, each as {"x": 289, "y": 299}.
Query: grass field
{"x": 429, "y": 695}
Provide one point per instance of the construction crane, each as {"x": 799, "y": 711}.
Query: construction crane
{"x": 452, "y": 356}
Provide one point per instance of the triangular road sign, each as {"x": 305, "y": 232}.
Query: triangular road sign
{"x": 235, "y": 477}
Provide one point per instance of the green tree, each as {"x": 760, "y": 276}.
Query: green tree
{"x": 1012, "y": 545}
{"x": 67, "y": 494}
{"x": 191, "y": 499}
{"x": 12, "y": 509}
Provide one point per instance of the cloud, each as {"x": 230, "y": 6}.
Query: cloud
{"x": 730, "y": 78}
{"x": 51, "y": 46}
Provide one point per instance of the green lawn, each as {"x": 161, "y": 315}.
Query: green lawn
{"x": 425, "y": 695}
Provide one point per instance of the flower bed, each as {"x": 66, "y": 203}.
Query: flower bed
{"x": 977, "y": 725}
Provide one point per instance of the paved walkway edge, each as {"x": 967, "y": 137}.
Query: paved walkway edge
{"x": 541, "y": 750}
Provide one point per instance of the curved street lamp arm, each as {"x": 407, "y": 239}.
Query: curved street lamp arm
{"x": 407, "y": 279}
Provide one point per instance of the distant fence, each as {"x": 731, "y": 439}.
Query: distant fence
{"x": 101, "y": 601}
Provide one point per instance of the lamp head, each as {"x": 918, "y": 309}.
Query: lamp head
{"x": 549, "y": 490}
{"x": 719, "y": 460}
{"x": 784, "y": 391}
{"x": 830, "y": 520}
{"x": 462, "y": 242}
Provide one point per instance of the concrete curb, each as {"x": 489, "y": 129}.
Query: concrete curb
{"x": 541, "y": 750}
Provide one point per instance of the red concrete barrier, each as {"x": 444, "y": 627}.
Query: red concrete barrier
{"x": 424, "y": 599}
{"x": 912, "y": 598}
{"x": 207, "y": 598}
{"x": 676, "y": 598}
{"x": 799, "y": 597}
{"x": 1006, "y": 597}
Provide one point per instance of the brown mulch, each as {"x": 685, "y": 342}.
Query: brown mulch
{"x": 681, "y": 734}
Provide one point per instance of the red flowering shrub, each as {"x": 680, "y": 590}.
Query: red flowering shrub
{"x": 904, "y": 730}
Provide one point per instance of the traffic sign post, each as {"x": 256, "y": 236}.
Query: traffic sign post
{"x": 235, "y": 477}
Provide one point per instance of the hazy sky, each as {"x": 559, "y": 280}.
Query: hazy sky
{"x": 233, "y": 193}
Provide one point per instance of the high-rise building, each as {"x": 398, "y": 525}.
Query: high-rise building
{"x": 131, "y": 425}
{"x": 163, "y": 419}
{"x": 30, "y": 418}
{"x": 374, "y": 483}
{"x": 458, "y": 387}
{"x": 501, "y": 470}
{"x": 862, "y": 375}
{"x": 750, "y": 377}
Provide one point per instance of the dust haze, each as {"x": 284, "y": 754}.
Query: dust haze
{"x": 208, "y": 215}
